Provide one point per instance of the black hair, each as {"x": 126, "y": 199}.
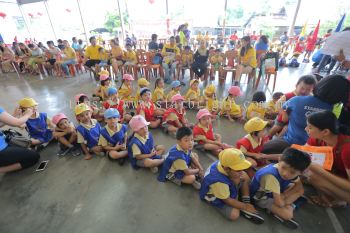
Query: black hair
{"x": 307, "y": 79}
{"x": 183, "y": 132}
{"x": 91, "y": 38}
{"x": 80, "y": 41}
{"x": 332, "y": 89}
{"x": 81, "y": 99}
{"x": 324, "y": 120}
{"x": 259, "y": 96}
{"x": 264, "y": 39}
{"x": 49, "y": 42}
{"x": 128, "y": 44}
{"x": 277, "y": 95}
{"x": 100, "y": 49}
{"x": 74, "y": 38}
{"x": 297, "y": 159}
{"x": 245, "y": 49}
{"x": 160, "y": 46}
{"x": 156, "y": 82}
{"x": 329, "y": 30}
{"x": 187, "y": 47}
{"x": 144, "y": 90}
{"x": 172, "y": 37}
{"x": 154, "y": 36}
{"x": 59, "y": 41}
{"x": 103, "y": 82}
{"x": 30, "y": 46}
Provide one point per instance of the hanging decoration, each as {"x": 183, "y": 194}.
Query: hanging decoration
{"x": 151, "y": 1}
{"x": 68, "y": 10}
{"x": 31, "y": 15}
{"x": 40, "y": 14}
{"x": 3, "y": 15}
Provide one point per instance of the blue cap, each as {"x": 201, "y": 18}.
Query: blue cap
{"x": 111, "y": 112}
{"x": 112, "y": 91}
{"x": 143, "y": 90}
{"x": 175, "y": 83}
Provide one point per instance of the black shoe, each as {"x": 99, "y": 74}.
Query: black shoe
{"x": 291, "y": 224}
{"x": 121, "y": 161}
{"x": 254, "y": 218}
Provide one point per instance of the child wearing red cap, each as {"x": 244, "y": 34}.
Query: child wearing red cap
{"x": 148, "y": 110}
{"x": 203, "y": 133}
{"x": 125, "y": 89}
{"x": 174, "y": 117}
{"x": 229, "y": 107}
{"x": 66, "y": 135}
{"x": 141, "y": 149}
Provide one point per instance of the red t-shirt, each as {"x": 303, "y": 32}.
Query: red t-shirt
{"x": 180, "y": 116}
{"x": 149, "y": 111}
{"x": 234, "y": 37}
{"x": 249, "y": 147}
{"x": 119, "y": 107}
{"x": 310, "y": 44}
{"x": 254, "y": 37}
{"x": 197, "y": 130}
{"x": 341, "y": 153}
{"x": 299, "y": 47}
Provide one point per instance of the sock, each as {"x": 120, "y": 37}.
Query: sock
{"x": 246, "y": 199}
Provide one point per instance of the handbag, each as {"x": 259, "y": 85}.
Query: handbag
{"x": 15, "y": 138}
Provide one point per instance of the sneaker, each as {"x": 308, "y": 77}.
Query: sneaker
{"x": 121, "y": 161}
{"x": 291, "y": 224}
{"x": 154, "y": 169}
{"x": 62, "y": 152}
{"x": 196, "y": 185}
{"x": 254, "y": 218}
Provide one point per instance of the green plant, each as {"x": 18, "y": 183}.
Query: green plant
{"x": 113, "y": 20}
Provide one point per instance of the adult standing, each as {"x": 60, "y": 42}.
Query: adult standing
{"x": 247, "y": 59}
{"x": 92, "y": 56}
{"x": 333, "y": 186}
{"x": 13, "y": 158}
{"x": 170, "y": 53}
{"x": 234, "y": 37}
{"x": 200, "y": 64}
{"x": 329, "y": 91}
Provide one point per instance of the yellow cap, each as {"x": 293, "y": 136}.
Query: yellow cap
{"x": 255, "y": 124}
{"x": 27, "y": 102}
{"x": 143, "y": 82}
{"x": 234, "y": 159}
{"x": 103, "y": 72}
{"x": 210, "y": 89}
{"x": 193, "y": 81}
{"x": 80, "y": 108}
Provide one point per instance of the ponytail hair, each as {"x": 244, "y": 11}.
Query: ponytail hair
{"x": 245, "y": 49}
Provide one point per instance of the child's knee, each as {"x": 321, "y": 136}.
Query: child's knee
{"x": 188, "y": 179}
{"x": 234, "y": 214}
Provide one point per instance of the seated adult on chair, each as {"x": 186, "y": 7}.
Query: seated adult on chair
{"x": 6, "y": 57}
{"x": 247, "y": 59}
{"x": 92, "y": 56}
{"x": 69, "y": 57}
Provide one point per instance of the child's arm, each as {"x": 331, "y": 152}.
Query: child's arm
{"x": 98, "y": 91}
{"x": 293, "y": 193}
{"x": 279, "y": 200}
{"x": 196, "y": 164}
{"x": 116, "y": 147}
{"x": 145, "y": 156}
{"x": 240, "y": 205}
{"x": 254, "y": 155}
{"x": 189, "y": 171}
{"x": 58, "y": 134}
{"x": 85, "y": 149}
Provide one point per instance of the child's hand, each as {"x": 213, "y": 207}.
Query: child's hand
{"x": 250, "y": 208}
{"x": 201, "y": 173}
{"x": 123, "y": 146}
{"x": 153, "y": 153}
{"x": 69, "y": 130}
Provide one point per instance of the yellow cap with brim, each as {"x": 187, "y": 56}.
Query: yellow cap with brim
{"x": 255, "y": 124}
{"x": 234, "y": 159}
{"x": 210, "y": 89}
{"x": 143, "y": 82}
{"x": 193, "y": 81}
{"x": 80, "y": 108}
{"x": 27, "y": 102}
{"x": 103, "y": 72}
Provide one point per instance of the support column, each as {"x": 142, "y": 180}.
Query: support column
{"x": 48, "y": 15}
{"x": 121, "y": 22}
{"x": 291, "y": 27}
{"x": 82, "y": 22}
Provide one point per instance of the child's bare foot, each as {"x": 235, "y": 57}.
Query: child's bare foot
{"x": 88, "y": 157}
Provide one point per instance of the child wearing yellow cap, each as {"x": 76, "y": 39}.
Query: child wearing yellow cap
{"x": 257, "y": 107}
{"x": 88, "y": 131}
{"x": 229, "y": 107}
{"x": 252, "y": 144}
{"x": 142, "y": 83}
{"x": 39, "y": 126}
{"x": 225, "y": 181}
{"x": 210, "y": 97}
{"x": 193, "y": 95}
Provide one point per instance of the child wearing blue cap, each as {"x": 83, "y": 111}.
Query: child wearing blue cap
{"x": 113, "y": 101}
{"x": 113, "y": 136}
{"x": 175, "y": 89}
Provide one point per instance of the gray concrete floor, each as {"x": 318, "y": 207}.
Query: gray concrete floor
{"x": 74, "y": 195}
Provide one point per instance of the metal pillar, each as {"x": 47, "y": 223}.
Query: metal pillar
{"x": 82, "y": 22}
{"x": 291, "y": 27}
{"x": 121, "y": 22}
{"x": 48, "y": 15}
{"x": 25, "y": 21}
{"x": 224, "y": 21}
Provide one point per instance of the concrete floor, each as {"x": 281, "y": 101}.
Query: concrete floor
{"x": 74, "y": 195}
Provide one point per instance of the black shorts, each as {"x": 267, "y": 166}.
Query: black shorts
{"x": 13, "y": 154}
{"x": 51, "y": 61}
{"x": 90, "y": 63}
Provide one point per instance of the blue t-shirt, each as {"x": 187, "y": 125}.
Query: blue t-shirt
{"x": 298, "y": 108}
{"x": 3, "y": 143}
{"x": 261, "y": 46}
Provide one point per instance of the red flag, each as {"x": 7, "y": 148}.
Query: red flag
{"x": 315, "y": 34}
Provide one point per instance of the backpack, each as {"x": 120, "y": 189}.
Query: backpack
{"x": 15, "y": 138}
{"x": 157, "y": 59}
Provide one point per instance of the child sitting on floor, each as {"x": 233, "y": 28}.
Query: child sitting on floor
{"x": 105, "y": 83}
{"x": 174, "y": 117}
{"x": 148, "y": 110}
{"x": 257, "y": 107}
{"x": 193, "y": 96}
{"x": 66, "y": 135}
{"x": 113, "y": 136}
{"x": 96, "y": 113}
{"x": 276, "y": 186}
{"x": 125, "y": 89}
{"x": 141, "y": 149}
{"x": 39, "y": 126}
{"x": 210, "y": 97}
{"x": 88, "y": 131}
{"x": 203, "y": 133}
{"x": 142, "y": 83}
{"x": 272, "y": 106}
{"x": 113, "y": 101}
{"x": 182, "y": 165}
{"x": 229, "y": 107}
{"x": 175, "y": 89}
{"x": 158, "y": 96}
{"x": 225, "y": 183}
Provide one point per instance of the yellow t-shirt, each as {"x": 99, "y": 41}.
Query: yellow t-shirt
{"x": 229, "y": 105}
{"x": 91, "y": 52}
{"x": 178, "y": 164}
{"x": 272, "y": 106}
{"x": 218, "y": 189}
{"x": 193, "y": 95}
{"x": 104, "y": 56}
{"x": 130, "y": 56}
{"x": 135, "y": 149}
{"x": 251, "y": 54}
{"x": 117, "y": 52}
{"x": 256, "y": 110}
{"x": 70, "y": 53}
{"x": 212, "y": 105}
{"x": 187, "y": 59}
{"x": 80, "y": 138}
{"x": 170, "y": 52}
{"x": 171, "y": 94}
{"x": 158, "y": 95}
{"x": 102, "y": 141}
{"x": 125, "y": 92}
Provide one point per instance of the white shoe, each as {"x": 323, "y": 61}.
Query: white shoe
{"x": 196, "y": 185}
